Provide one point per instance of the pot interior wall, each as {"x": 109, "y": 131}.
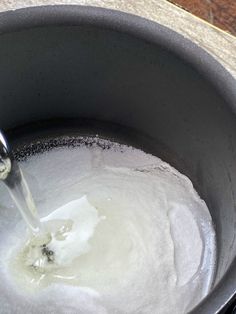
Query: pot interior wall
{"x": 84, "y": 72}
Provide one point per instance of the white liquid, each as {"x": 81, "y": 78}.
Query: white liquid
{"x": 145, "y": 241}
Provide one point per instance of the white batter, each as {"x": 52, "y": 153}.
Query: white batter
{"x": 130, "y": 235}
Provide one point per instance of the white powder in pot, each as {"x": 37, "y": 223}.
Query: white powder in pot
{"x": 145, "y": 240}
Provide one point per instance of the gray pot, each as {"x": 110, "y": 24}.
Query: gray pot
{"x": 94, "y": 64}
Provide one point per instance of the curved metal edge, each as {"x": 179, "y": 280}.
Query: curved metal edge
{"x": 74, "y": 15}
{"x": 200, "y": 60}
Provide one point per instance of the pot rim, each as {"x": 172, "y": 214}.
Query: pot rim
{"x": 154, "y": 33}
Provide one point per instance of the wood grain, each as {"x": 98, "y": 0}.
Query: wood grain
{"x": 221, "y": 13}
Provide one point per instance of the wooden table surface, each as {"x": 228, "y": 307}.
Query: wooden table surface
{"x": 221, "y": 45}
{"x": 221, "y": 13}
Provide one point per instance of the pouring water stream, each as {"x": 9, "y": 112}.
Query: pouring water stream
{"x": 12, "y": 177}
